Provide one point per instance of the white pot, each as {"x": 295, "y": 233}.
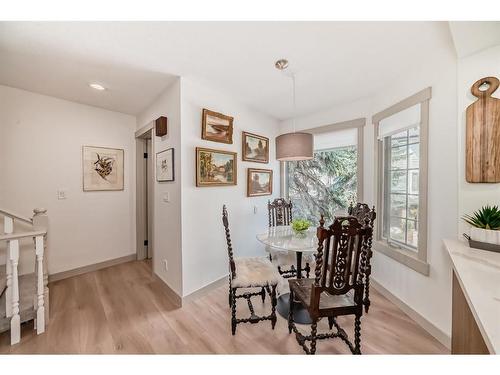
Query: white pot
{"x": 485, "y": 235}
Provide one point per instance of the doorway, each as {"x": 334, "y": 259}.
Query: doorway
{"x": 145, "y": 194}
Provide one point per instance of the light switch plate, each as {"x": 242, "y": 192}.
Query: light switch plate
{"x": 166, "y": 197}
{"x": 255, "y": 209}
{"x": 61, "y": 194}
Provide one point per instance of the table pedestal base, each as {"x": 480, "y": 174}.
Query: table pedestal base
{"x": 300, "y": 313}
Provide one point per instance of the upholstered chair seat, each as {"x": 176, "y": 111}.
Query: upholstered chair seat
{"x": 255, "y": 272}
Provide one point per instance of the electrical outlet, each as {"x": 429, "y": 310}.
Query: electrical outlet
{"x": 166, "y": 197}
{"x": 255, "y": 209}
{"x": 165, "y": 264}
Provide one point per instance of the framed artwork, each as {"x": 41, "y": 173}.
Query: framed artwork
{"x": 165, "y": 165}
{"x": 259, "y": 182}
{"x": 215, "y": 167}
{"x": 102, "y": 168}
{"x": 255, "y": 148}
{"x": 216, "y": 127}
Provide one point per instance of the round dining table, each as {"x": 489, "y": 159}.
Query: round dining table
{"x": 284, "y": 238}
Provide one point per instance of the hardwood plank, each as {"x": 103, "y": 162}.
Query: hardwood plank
{"x": 123, "y": 309}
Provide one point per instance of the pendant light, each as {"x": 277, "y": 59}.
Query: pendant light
{"x": 297, "y": 145}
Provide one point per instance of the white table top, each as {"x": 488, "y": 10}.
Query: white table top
{"x": 284, "y": 238}
{"x": 478, "y": 272}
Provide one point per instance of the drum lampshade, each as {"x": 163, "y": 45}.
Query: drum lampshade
{"x": 294, "y": 146}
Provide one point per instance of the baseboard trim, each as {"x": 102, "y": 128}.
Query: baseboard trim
{"x": 91, "y": 267}
{"x": 205, "y": 289}
{"x": 434, "y": 331}
{"x": 171, "y": 294}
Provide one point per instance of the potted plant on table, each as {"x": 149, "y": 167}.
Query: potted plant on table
{"x": 485, "y": 224}
{"x": 300, "y": 226}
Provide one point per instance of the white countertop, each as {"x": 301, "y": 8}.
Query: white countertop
{"x": 478, "y": 272}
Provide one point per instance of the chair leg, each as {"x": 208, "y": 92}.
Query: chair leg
{"x": 290, "y": 313}
{"x": 366, "y": 301}
{"x": 308, "y": 269}
{"x": 263, "y": 294}
{"x": 314, "y": 331}
{"x": 330, "y": 321}
{"x": 233, "y": 311}
{"x": 270, "y": 257}
{"x": 230, "y": 298}
{"x": 273, "y": 307}
{"x": 357, "y": 334}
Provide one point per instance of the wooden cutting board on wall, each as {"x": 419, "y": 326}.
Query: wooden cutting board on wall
{"x": 483, "y": 133}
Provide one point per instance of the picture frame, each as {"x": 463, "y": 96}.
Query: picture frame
{"x": 216, "y": 167}
{"x": 103, "y": 168}
{"x": 259, "y": 182}
{"x": 216, "y": 127}
{"x": 165, "y": 166}
{"x": 254, "y": 148}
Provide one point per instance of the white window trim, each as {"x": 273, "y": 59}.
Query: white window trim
{"x": 414, "y": 260}
{"x": 351, "y": 124}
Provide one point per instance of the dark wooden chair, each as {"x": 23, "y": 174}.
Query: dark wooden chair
{"x": 364, "y": 215}
{"x": 280, "y": 213}
{"x": 249, "y": 273}
{"x": 337, "y": 288}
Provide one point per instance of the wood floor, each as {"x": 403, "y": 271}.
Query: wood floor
{"x": 122, "y": 309}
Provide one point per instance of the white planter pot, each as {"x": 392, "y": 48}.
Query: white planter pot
{"x": 485, "y": 235}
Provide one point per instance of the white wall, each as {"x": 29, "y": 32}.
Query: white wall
{"x": 483, "y": 64}
{"x": 428, "y": 295}
{"x": 204, "y": 251}
{"x": 41, "y": 151}
{"x": 167, "y": 216}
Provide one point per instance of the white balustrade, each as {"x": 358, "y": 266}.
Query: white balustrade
{"x": 41, "y": 301}
{"x": 40, "y": 309}
{"x": 15, "y": 320}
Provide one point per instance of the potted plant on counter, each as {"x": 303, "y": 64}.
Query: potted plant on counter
{"x": 300, "y": 226}
{"x": 485, "y": 224}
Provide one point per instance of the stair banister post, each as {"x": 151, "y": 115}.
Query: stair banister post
{"x": 15, "y": 320}
{"x": 40, "y": 309}
{"x": 41, "y": 222}
{"x": 8, "y": 228}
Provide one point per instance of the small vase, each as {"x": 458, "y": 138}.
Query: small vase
{"x": 300, "y": 233}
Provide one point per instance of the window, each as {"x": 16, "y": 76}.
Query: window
{"x": 329, "y": 182}
{"x": 401, "y": 181}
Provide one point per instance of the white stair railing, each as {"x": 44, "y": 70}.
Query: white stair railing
{"x": 12, "y": 307}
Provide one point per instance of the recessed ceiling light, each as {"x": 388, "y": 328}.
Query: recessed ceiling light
{"x": 97, "y": 86}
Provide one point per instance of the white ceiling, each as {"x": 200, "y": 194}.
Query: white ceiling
{"x": 472, "y": 36}
{"x": 334, "y": 62}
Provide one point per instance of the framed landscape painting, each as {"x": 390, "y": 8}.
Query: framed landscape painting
{"x": 215, "y": 167}
{"x": 255, "y": 148}
{"x": 102, "y": 168}
{"x": 165, "y": 165}
{"x": 216, "y": 127}
{"x": 259, "y": 182}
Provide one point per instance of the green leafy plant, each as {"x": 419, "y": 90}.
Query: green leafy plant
{"x": 488, "y": 217}
{"x": 300, "y": 225}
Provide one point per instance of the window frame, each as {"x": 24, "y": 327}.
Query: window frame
{"x": 358, "y": 123}
{"x": 416, "y": 260}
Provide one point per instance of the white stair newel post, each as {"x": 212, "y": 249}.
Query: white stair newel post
{"x": 15, "y": 321}
{"x": 41, "y": 222}
{"x": 8, "y": 228}
{"x": 40, "y": 311}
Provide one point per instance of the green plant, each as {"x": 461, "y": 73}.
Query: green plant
{"x": 488, "y": 217}
{"x": 300, "y": 225}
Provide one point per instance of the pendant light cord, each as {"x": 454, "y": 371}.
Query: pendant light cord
{"x": 294, "y": 102}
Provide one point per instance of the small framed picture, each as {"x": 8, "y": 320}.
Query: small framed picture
{"x": 103, "y": 168}
{"x": 255, "y": 148}
{"x": 165, "y": 166}
{"x": 215, "y": 167}
{"x": 259, "y": 182}
{"x": 216, "y": 127}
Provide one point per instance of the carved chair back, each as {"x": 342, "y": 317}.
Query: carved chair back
{"x": 342, "y": 250}
{"x": 362, "y": 212}
{"x": 280, "y": 212}
{"x": 225, "y": 221}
